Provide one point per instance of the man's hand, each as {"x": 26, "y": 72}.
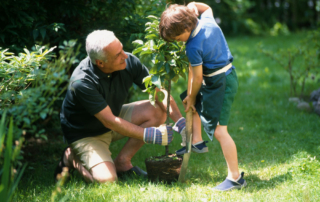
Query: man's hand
{"x": 193, "y": 7}
{"x": 190, "y": 102}
{"x": 161, "y": 135}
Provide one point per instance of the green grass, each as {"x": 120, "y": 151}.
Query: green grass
{"x": 278, "y": 146}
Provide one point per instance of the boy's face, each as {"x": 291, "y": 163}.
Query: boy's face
{"x": 183, "y": 37}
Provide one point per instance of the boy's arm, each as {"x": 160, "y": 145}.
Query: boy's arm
{"x": 199, "y": 8}
{"x": 194, "y": 85}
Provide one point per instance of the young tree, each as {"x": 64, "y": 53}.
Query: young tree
{"x": 166, "y": 62}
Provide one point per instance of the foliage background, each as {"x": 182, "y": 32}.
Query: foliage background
{"x": 26, "y": 24}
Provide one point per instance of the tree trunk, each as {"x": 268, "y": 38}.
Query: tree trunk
{"x": 168, "y": 111}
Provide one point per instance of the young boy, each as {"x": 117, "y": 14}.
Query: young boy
{"x": 212, "y": 80}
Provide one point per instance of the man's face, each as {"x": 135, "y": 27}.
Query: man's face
{"x": 183, "y": 37}
{"x": 115, "y": 59}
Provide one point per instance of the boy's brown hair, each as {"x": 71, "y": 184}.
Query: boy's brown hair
{"x": 175, "y": 20}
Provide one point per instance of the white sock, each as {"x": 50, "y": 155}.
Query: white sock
{"x": 233, "y": 179}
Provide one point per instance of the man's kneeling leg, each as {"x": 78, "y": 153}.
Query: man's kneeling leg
{"x": 94, "y": 155}
{"x": 104, "y": 172}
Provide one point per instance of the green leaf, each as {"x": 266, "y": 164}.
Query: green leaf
{"x": 161, "y": 96}
{"x": 183, "y": 75}
{"x": 43, "y": 115}
{"x": 138, "y": 42}
{"x": 26, "y": 120}
{"x": 35, "y": 34}
{"x": 151, "y": 36}
{"x": 137, "y": 50}
{"x": 146, "y": 80}
{"x": 152, "y": 97}
{"x": 27, "y": 51}
{"x": 159, "y": 66}
{"x": 161, "y": 56}
{"x": 154, "y": 58}
{"x": 145, "y": 52}
{"x": 156, "y": 81}
{"x": 2, "y": 129}
{"x": 172, "y": 74}
{"x": 175, "y": 78}
{"x": 148, "y": 24}
{"x": 167, "y": 66}
{"x": 43, "y": 32}
{"x": 152, "y": 17}
{"x": 5, "y": 177}
{"x": 153, "y": 70}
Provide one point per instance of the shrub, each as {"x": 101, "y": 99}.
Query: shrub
{"x": 32, "y": 83}
{"x": 301, "y": 62}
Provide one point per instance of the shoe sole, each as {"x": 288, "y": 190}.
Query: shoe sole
{"x": 203, "y": 150}
{"x": 234, "y": 187}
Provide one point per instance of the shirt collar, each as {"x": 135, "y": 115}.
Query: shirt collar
{"x": 196, "y": 30}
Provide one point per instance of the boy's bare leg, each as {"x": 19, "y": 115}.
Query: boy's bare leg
{"x": 196, "y": 129}
{"x": 229, "y": 150}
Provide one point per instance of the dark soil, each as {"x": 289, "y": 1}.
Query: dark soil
{"x": 164, "y": 168}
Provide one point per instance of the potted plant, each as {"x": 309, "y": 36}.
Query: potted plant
{"x": 167, "y": 62}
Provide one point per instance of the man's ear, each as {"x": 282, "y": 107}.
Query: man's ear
{"x": 99, "y": 63}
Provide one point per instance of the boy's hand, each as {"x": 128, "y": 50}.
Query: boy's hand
{"x": 194, "y": 8}
{"x": 190, "y": 102}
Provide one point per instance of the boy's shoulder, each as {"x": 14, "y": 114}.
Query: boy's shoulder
{"x": 201, "y": 35}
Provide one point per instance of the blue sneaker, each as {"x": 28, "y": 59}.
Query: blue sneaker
{"x": 199, "y": 147}
{"x": 229, "y": 184}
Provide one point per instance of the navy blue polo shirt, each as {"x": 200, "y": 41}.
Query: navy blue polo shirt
{"x": 208, "y": 47}
{"x": 90, "y": 91}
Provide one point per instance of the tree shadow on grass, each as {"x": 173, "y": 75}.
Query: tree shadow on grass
{"x": 254, "y": 182}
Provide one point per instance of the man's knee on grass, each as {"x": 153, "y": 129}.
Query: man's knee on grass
{"x": 104, "y": 172}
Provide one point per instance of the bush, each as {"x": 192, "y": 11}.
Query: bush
{"x": 301, "y": 62}
{"x": 32, "y": 83}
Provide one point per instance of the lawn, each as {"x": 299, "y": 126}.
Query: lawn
{"x": 278, "y": 145}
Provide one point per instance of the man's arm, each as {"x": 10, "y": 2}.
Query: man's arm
{"x": 119, "y": 125}
{"x": 199, "y": 8}
{"x": 161, "y": 135}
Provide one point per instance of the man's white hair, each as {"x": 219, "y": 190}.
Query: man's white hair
{"x": 95, "y": 43}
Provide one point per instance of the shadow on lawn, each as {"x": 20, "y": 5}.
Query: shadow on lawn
{"x": 254, "y": 182}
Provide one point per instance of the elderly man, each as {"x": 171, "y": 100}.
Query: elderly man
{"x": 94, "y": 114}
